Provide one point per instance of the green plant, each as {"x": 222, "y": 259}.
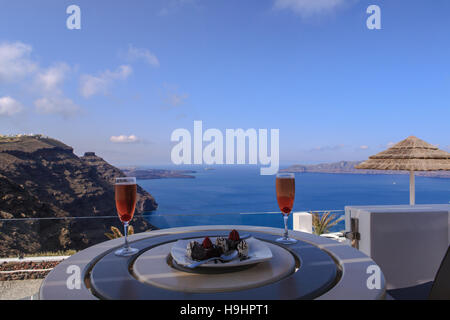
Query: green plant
{"x": 117, "y": 234}
{"x": 323, "y": 223}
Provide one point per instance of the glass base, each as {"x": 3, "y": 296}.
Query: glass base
{"x": 126, "y": 252}
{"x": 286, "y": 240}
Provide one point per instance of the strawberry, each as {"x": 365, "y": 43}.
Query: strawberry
{"x": 234, "y": 236}
{"x": 207, "y": 243}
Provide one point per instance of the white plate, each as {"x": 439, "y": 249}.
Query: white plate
{"x": 257, "y": 252}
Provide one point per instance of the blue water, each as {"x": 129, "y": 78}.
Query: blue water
{"x": 220, "y": 196}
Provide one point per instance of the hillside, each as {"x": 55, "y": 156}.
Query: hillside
{"x": 42, "y": 178}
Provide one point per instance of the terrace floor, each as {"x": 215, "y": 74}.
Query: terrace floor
{"x": 19, "y": 289}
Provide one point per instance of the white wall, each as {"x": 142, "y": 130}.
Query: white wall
{"x": 303, "y": 222}
{"x": 407, "y": 242}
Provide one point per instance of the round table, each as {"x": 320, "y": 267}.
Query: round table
{"x": 313, "y": 268}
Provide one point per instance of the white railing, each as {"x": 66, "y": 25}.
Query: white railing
{"x": 151, "y": 214}
{"x": 14, "y": 227}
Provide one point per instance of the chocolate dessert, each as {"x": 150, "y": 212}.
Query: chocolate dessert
{"x": 207, "y": 249}
{"x": 196, "y": 251}
{"x": 223, "y": 244}
{"x": 242, "y": 249}
{"x": 233, "y": 240}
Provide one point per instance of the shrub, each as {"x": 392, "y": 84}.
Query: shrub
{"x": 323, "y": 223}
{"x": 117, "y": 234}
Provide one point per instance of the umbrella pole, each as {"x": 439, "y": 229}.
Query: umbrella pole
{"x": 412, "y": 189}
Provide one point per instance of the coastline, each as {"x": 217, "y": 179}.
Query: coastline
{"x": 348, "y": 167}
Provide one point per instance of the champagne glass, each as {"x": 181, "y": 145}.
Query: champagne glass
{"x": 285, "y": 185}
{"x": 125, "y": 190}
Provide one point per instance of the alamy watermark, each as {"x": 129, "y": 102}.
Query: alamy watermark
{"x": 232, "y": 150}
{"x": 73, "y": 22}
{"x": 374, "y": 20}
{"x": 374, "y": 280}
{"x": 73, "y": 281}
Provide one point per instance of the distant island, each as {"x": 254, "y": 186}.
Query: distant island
{"x": 348, "y": 167}
{"x": 148, "y": 174}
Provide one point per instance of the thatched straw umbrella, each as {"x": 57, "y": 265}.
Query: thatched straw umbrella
{"x": 410, "y": 155}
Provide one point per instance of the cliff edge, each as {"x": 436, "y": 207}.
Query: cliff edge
{"x": 41, "y": 177}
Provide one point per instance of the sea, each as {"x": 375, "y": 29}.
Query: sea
{"x": 241, "y": 196}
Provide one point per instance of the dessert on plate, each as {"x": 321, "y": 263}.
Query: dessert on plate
{"x": 206, "y": 249}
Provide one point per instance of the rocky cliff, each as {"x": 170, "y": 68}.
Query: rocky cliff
{"x": 43, "y": 178}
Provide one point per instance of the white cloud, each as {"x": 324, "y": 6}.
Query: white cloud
{"x": 124, "y": 139}
{"x": 91, "y": 85}
{"x": 364, "y": 147}
{"x": 175, "y": 99}
{"x": 56, "y": 105}
{"x": 9, "y": 106}
{"x": 134, "y": 54}
{"x": 16, "y": 64}
{"x": 307, "y": 8}
{"x": 48, "y": 82}
{"x": 172, "y": 98}
{"x": 52, "y": 78}
{"x": 15, "y": 61}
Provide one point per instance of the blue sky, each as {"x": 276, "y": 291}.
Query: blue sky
{"x": 137, "y": 70}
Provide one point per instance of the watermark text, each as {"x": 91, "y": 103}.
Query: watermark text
{"x": 239, "y": 147}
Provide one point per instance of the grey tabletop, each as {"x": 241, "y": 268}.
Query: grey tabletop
{"x": 324, "y": 269}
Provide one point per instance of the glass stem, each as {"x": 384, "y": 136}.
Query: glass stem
{"x": 125, "y": 232}
{"x": 286, "y": 226}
